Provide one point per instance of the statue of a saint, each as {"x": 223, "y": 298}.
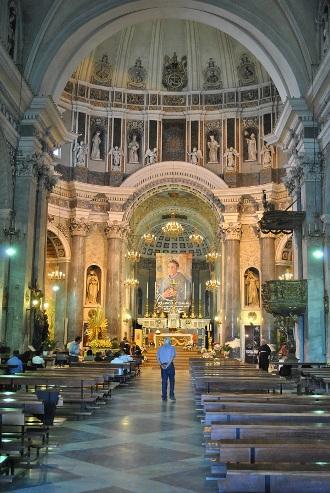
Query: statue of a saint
{"x": 96, "y": 141}
{"x": 231, "y": 155}
{"x": 195, "y": 156}
{"x": 151, "y": 156}
{"x": 267, "y": 155}
{"x": 79, "y": 153}
{"x": 213, "y": 149}
{"x": 133, "y": 147}
{"x": 252, "y": 287}
{"x": 251, "y": 147}
{"x": 116, "y": 154}
{"x": 92, "y": 287}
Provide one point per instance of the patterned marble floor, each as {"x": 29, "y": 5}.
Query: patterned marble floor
{"x": 135, "y": 444}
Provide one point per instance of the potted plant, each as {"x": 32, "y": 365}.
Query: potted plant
{"x": 226, "y": 350}
{"x": 48, "y": 346}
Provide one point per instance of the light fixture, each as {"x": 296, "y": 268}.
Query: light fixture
{"x": 318, "y": 253}
{"x": 10, "y": 251}
{"x": 287, "y": 276}
{"x": 173, "y": 228}
{"x": 131, "y": 282}
{"x": 46, "y": 305}
{"x": 149, "y": 238}
{"x": 133, "y": 256}
{"x": 55, "y": 288}
{"x": 212, "y": 284}
{"x": 196, "y": 238}
{"x": 35, "y": 302}
{"x": 56, "y": 275}
{"x": 212, "y": 256}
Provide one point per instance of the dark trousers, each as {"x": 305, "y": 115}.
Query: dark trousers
{"x": 168, "y": 374}
{"x": 263, "y": 363}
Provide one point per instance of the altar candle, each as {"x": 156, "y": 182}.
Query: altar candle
{"x": 193, "y": 291}
{"x": 200, "y": 291}
{"x": 185, "y": 291}
{"x": 147, "y": 290}
{"x": 155, "y": 289}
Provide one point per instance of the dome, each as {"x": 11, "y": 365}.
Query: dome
{"x": 171, "y": 55}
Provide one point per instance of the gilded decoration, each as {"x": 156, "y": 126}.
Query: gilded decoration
{"x": 284, "y": 297}
{"x": 175, "y": 76}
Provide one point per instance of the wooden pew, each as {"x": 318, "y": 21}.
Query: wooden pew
{"x": 275, "y": 478}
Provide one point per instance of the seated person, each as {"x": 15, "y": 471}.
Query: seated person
{"x": 108, "y": 355}
{"x": 288, "y": 361}
{"x": 89, "y": 356}
{"x": 122, "y": 358}
{"x": 137, "y": 351}
{"x": 37, "y": 360}
{"x": 16, "y": 363}
{"x": 98, "y": 356}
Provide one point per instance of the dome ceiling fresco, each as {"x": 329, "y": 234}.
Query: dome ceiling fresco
{"x": 171, "y": 55}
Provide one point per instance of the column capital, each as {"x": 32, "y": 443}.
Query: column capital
{"x": 78, "y": 226}
{"x": 116, "y": 230}
{"x": 231, "y": 231}
{"x": 37, "y": 165}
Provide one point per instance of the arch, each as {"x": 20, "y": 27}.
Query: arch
{"x": 179, "y": 172}
{"x": 63, "y": 240}
{"x": 280, "y": 248}
{"x": 6, "y": 183}
{"x": 52, "y": 60}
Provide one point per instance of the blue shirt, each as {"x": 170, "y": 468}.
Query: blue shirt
{"x": 14, "y": 360}
{"x": 166, "y": 354}
{"x": 74, "y": 348}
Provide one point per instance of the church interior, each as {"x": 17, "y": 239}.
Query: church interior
{"x": 164, "y": 176}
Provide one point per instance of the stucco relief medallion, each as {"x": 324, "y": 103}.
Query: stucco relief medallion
{"x": 102, "y": 71}
{"x": 175, "y": 76}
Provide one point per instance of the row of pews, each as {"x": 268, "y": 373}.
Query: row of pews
{"x": 32, "y": 403}
{"x": 262, "y": 435}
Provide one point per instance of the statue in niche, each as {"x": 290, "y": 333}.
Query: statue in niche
{"x": 252, "y": 287}
{"x": 195, "y": 156}
{"x": 213, "y": 150}
{"x": 116, "y": 153}
{"x": 251, "y": 141}
{"x": 12, "y": 21}
{"x": 96, "y": 141}
{"x": 151, "y": 156}
{"x": 230, "y": 156}
{"x": 267, "y": 155}
{"x": 133, "y": 148}
{"x": 80, "y": 150}
{"x": 92, "y": 287}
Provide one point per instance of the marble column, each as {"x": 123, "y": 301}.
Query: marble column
{"x": 267, "y": 263}
{"x": 76, "y": 286}
{"x": 232, "y": 297}
{"x": 5, "y": 215}
{"x": 116, "y": 233}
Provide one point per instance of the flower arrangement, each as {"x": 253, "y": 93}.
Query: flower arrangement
{"x": 97, "y": 330}
{"x": 49, "y": 344}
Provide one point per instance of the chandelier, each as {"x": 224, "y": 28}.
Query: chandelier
{"x": 133, "y": 256}
{"x": 131, "y": 282}
{"x": 212, "y": 285}
{"x": 56, "y": 275}
{"x": 149, "y": 238}
{"x": 287, "y": 276}
{"x": 196, "y": 239}
{"x": 211, "y": 257}
{"x": 173, "y": 228}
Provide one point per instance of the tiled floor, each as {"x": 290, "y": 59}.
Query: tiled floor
{"x": 136, "y": 444}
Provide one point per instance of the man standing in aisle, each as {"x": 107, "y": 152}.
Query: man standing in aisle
{"x": 165, "y": 357}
